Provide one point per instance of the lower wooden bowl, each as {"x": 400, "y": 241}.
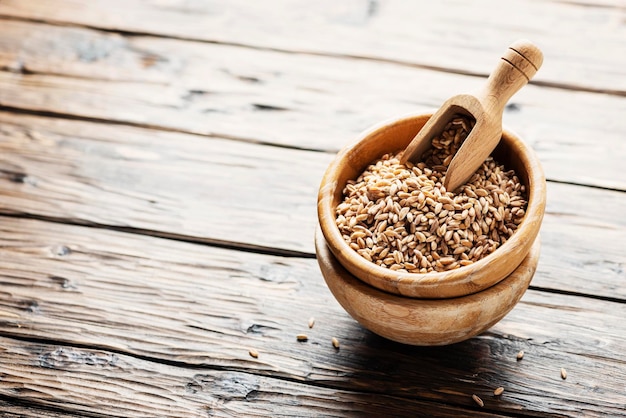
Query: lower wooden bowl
{"x": 424, "y": 322}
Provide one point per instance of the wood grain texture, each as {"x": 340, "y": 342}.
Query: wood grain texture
{"x": 449, "y": 35}
{"x": 299, "y": 101}
{"x": 182, "y": 119}
{"x": 217, "y": 190}
{"x": 200, "y": 307}
{"x": 188, "y": 187}
{"x": 124, "y": 386}
{"x": 15, "y": 409}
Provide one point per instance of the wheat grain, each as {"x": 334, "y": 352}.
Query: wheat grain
{"x": 478, "y": 400}
{"x": 398, "y": 216}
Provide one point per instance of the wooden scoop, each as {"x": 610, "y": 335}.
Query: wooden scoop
{"x": 516, "y": 67}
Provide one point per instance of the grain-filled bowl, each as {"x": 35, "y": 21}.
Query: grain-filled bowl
{"x": 393, "y": 136}
{"x": 432, "y": 307}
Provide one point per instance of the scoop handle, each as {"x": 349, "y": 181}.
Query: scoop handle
{"x": 514, "y": 70}
{"x": 516, "y": 67}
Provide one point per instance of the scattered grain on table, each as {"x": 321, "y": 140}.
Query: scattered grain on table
{"x": 498, "y": 391}
{"x": 478, "y": 401}
{"x": 253, "y": 353}
{"x": 302, "y": 337}
{"x": 311, "y": 322}
{"x": 520, "y": 355}
{"x": 563, "y": 373}
{"x": 335, "y": 342}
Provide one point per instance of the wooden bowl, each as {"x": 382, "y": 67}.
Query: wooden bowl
{"x": 424, "y": 321}
{"x": 394, "y": 136}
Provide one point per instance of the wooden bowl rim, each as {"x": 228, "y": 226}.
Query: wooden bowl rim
{"x": 455, "y": 283}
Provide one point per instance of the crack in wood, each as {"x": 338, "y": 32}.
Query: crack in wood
{"x": 239, "y": 246}
{"x": 260, "y": 106}
{"x": 68, "y": 116}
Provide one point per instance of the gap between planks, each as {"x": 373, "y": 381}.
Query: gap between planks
{"x": 74, "y": 117}
{"x": 442, "y": 69}
{"x": 53, "y": 193}
{"x": 195, "y": 106}
{"x": 243, "y": 247}
{"x": 216, "y": 243}
{"x": 238, "y": 246}
{"x": 162, "y": 128}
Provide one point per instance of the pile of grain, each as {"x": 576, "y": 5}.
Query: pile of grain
{"x": 401, "y": 217}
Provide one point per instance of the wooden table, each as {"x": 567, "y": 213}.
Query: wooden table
{"x": 159, "y": 166}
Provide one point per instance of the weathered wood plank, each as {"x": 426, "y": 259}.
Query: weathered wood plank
{"x": 585, "y": 42}
{"x": 98, "y": 383}
{"x": 217, "y": 190}
{"x": 575, "y": 240}
{"x": 249, "y": 195}
{"x": 105, "y": 384}
{"x": 286, "y": 99}
{"x": 20, "y": 410}
{"x": 206, "y": 307}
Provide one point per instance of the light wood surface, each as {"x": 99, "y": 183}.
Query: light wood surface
{"x": 154, "y": 227}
